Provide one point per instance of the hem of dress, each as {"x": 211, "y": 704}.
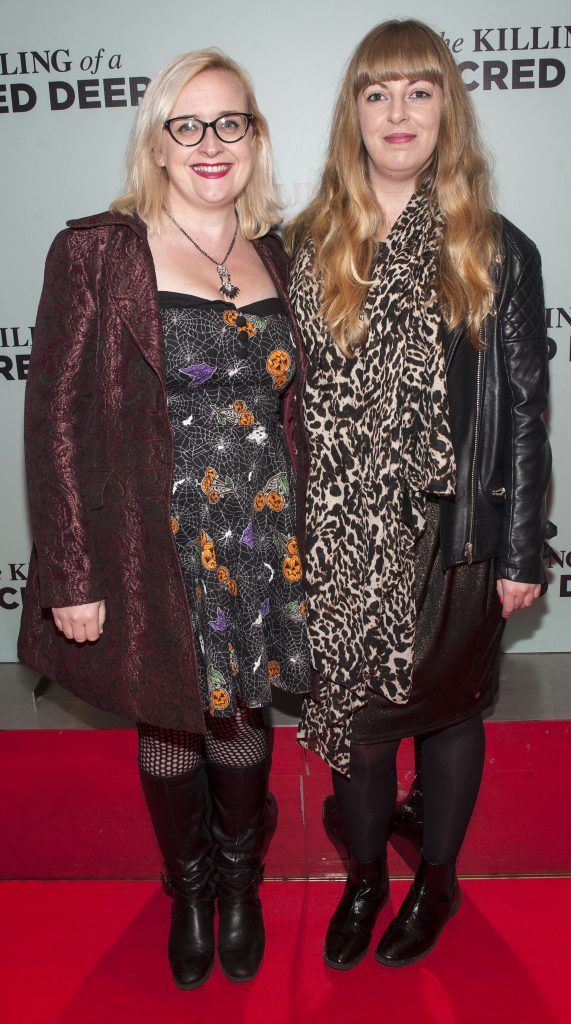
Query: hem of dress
{"x": 294, "y": 693}
{"x": 317, "y": 748}
{"x": 426, "y": 732}
{"x": 226, "y": 713}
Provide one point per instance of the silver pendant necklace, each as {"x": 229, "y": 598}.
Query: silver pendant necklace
{"x": 226, "y": 287}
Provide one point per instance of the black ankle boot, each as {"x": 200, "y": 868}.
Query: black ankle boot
{"x": 351, "y": 927}
{"x": 408, "y": 818}
{"x": 238, "y": 798}
{"x": 178, "y": 807}
{"x": 432, "y": 900}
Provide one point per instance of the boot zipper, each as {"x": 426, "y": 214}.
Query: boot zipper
{"x": 469, "y": 549}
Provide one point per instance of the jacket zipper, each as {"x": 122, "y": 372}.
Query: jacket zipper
{"x": 469, "y": 548}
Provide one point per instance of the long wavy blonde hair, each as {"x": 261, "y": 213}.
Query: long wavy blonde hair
{"x": 344, "y": 218}
{"x": 146, "y": 183}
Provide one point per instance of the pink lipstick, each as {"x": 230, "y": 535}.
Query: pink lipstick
{"x": 397, "y": 137}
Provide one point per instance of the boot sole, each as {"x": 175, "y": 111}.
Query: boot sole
{"x": 414, "y": 959}
{"x": 247, "y": 977}
{"x": 345, "y": 967}
{"x": 238, "y": 981}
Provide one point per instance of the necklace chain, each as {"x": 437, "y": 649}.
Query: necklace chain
{"x": 226, "y": 287}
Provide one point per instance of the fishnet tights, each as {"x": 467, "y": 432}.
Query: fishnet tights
{"x": 237, "y": 742}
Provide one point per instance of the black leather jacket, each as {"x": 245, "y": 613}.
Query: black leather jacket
{"x": 497, "y": 397}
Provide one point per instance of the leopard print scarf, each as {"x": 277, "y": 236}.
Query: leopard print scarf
{"x": 379, "y": 443}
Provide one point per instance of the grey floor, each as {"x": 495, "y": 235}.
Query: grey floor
{"x": 533, "y": 686}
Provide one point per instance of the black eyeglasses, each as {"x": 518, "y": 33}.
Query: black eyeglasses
{"x": 189, "y": 130}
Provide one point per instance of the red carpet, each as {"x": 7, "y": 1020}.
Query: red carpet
{"x": 71, "y": 806}
{"x": 92, "y": 952}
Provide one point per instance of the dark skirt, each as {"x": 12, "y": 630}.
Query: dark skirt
{"x": 457, "y": 648}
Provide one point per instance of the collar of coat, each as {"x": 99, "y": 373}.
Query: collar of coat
{"x": 101, "y": 220}
{"x": 130, "y": 275}
{"x": 269, "y": 243}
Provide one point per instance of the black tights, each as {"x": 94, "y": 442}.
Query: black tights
{"x": 451, "y": 761}
{"x": 237, "y": 742}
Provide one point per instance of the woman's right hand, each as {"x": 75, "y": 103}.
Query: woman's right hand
{"x": 81, "y": 622}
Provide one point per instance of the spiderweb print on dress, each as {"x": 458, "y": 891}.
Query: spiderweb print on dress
{"x": 233, "y": 500}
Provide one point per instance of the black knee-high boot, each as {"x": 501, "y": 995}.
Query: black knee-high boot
{"x": 238, "y": 797}
{"x": 178, "y": 806}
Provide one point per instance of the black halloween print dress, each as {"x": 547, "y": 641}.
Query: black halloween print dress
{"x": 233, "y": 503}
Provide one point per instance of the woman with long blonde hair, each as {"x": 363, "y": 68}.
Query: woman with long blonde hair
{"x": 422, "y": 318}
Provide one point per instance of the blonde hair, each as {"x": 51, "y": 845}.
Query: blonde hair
{"x": 344, "y": 217}
{"x": 146, "y": 183}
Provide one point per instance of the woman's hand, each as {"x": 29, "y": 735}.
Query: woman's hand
{"x": 514, "y": 596}
{"x": 81, "y": 622}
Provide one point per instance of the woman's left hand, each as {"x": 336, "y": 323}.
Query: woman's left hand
{"x": 514, "y": 596}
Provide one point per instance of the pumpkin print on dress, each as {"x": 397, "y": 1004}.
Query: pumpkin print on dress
{"x": 291, "y": 563}
{"x": 232, "y": 489}
{"x": 291, "y": 568}
{"x": 244, "y": 325}
{"x": 275, "y": 493}
{"x": 279, "y": 365}
{"x": 219, "y": 699}
{"x": 219, "y": 696}
{"x": 207, "y": 551}
{"x": 236, "y": 414}
{"x": 213, "y": 487}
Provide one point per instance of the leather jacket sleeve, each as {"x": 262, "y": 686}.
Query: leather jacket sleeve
{"x": 526, "y": 450}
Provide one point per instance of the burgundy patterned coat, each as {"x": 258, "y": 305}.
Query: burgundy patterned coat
{"x": 99, "y": 459}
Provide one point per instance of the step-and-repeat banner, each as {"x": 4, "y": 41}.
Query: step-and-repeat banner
{"x": 72, "y": 76}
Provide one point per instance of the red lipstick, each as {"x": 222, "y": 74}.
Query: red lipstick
{"x": 218, "y": 170}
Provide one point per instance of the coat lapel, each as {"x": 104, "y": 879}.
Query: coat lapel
{"x": 133, "y": 285}
{"x": 450, "y": 341}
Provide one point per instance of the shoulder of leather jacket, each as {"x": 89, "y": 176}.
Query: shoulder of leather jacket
{"x": 520, "y": 289}
{"x": 519, "y": 301}
{"x": 516, "y": 241}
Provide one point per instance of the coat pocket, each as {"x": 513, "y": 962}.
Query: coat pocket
{"x": 93, "y": 489}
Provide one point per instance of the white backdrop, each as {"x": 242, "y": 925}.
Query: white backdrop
{"x": 66, "y": 111}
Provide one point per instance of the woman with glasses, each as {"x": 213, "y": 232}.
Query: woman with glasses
{"x": 423, "y": 324}
{"x": 162, "y": 492}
